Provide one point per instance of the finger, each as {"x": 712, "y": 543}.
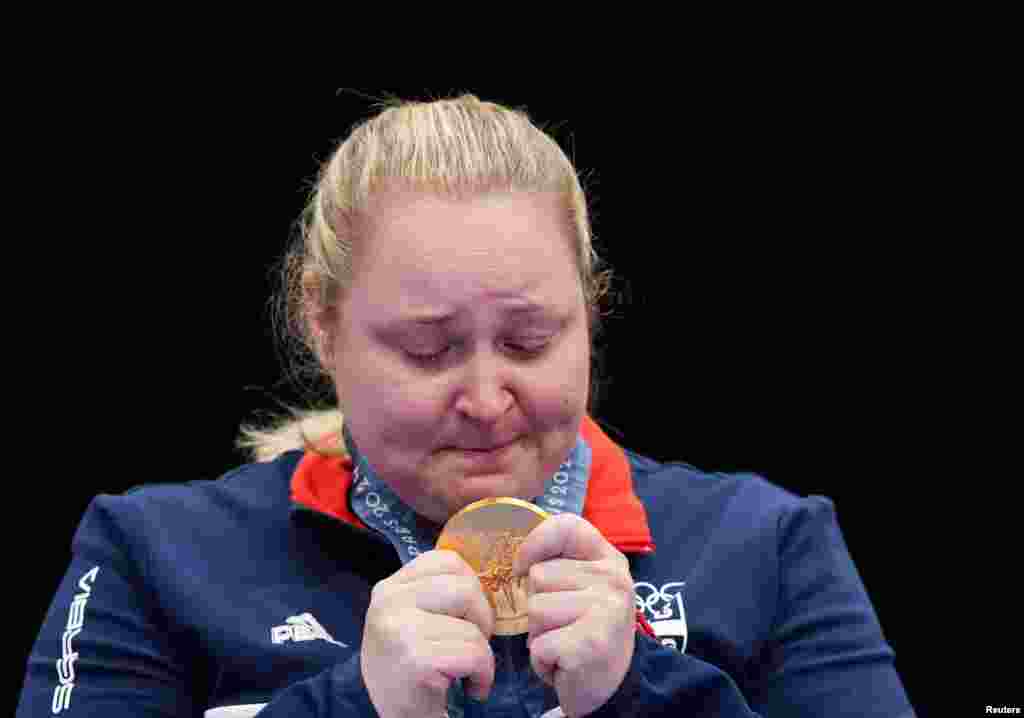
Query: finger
{"x": 565, "y": 536}
{"x": 550, "y": 611}
{"x": 545, "y": 655}
{"x": 433, "y": 563}
{"x": 456, "y": 596}
{"x": 563, "y": 574}
{"x": 473, "y": 660}
{"x": 568, "y": 648}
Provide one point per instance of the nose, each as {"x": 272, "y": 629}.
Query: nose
{"x": 484, "y": 392}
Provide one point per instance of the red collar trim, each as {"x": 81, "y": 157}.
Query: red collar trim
{"x": 322, "y": 483}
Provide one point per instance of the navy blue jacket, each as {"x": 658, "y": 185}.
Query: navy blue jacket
{"x": 251, "y": 590}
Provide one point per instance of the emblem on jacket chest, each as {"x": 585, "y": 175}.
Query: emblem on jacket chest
{"x": 663, "y": 609}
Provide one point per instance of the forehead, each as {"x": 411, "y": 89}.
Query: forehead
{"x": 426, "y": 252}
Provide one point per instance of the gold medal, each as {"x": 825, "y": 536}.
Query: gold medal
{"x": 487, "y": 535}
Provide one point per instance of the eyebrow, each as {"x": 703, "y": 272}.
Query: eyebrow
{"x": 433, "y": 319}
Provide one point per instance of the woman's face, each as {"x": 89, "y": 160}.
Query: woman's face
{"x": 504, "y": 357}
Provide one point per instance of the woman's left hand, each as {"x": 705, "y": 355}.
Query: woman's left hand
{"x": 582, "y": 617}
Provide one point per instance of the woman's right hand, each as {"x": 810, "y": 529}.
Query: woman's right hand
{"x": 428, "y": 624}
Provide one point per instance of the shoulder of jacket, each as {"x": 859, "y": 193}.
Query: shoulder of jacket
{"x": 148, "y": 513}
{"x": 241, "y": 477}
{"x": 749, "y": 485}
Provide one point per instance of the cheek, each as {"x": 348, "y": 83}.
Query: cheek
{"x": 556, "y": 402}
{"x": 563, "y": 388}
{"x": 403, "y": 416}
{"x": 376, "y": 395}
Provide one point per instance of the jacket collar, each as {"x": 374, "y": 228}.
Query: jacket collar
{"x": 321, "y": 483}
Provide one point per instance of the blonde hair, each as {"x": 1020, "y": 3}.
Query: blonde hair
{"x": 453, "y": 148}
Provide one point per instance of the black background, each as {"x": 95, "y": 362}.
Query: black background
{"x": 765, "y": 316}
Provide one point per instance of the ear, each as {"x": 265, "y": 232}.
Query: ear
{"x": 322, "y": 328}
{"x": 322, "y": 332}
{"x": 320, "y": 319}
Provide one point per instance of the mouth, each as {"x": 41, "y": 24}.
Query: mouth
{"x": 484, "y": 456}
{"x": 483, "y": 449}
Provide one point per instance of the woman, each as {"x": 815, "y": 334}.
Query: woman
{"x": 446, "y": 286}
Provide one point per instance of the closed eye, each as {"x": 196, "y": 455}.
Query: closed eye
{"x": 427, "y": 358}
{"x": 530, "y": 349}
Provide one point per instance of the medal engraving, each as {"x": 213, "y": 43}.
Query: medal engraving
{"x": 497, "y": 577}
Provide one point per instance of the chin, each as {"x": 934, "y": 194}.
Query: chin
{"x": 491, "y": 486}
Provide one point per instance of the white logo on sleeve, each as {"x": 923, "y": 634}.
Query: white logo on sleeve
{"x": 301, "y": 628}
{"x": 66, "y": 663}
